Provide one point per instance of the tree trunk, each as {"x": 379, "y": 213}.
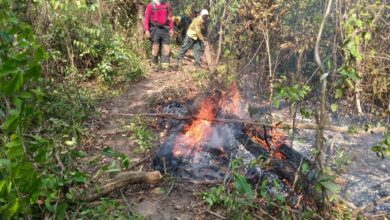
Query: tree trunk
{"x": 322, "y": 116}
{"x": 358, "y": 85}
{"x": 219, "y": 51}
{"x": 270, "y": 72}
{"x": 140, "y": 25}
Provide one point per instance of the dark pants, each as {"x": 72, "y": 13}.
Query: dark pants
{"x": 188, "y": 43}
{"x": 160, "y": 36}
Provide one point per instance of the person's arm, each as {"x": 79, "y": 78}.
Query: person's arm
{"x": 198, "y": 30}
{"x": 170, "y": 19}
{"x": 148, "y": 11}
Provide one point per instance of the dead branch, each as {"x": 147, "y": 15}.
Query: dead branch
{"x": 215, "y": 214}
{"x": 118, "y": 182}
{"x": 146, "y": 158}
{"x": 281, "y": 125}
{"x": 170, "y": 190}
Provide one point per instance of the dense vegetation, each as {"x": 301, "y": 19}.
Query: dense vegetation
{"x": 59, "y": 58}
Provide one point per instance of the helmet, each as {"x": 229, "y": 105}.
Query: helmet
{"x": 204, "y": 12}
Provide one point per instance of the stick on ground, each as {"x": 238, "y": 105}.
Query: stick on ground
{"x": 123, "y": 179}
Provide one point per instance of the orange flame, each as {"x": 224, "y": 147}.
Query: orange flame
{"x": 277, "y": 139}
{"x": 201, "y": 128}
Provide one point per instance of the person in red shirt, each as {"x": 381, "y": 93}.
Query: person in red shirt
{"x": 158, "y": 26}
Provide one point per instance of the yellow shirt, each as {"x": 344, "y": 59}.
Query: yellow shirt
{"x": 195, "y": 29}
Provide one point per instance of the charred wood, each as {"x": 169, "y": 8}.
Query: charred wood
{"x": 288, "y": 166}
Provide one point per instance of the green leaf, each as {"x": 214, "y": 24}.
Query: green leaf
{"x": 331, "y": 186}
{"x": 61, "y": 210}
{"x": 33, "y": 72}
{"x": 11, "y": 122}
{"x": 14, "y": 85}
{"x": 279, "y": 197}
{"x": 113, "y": 170}
{"x": 7, "y": 69}
{"x": 243, "y": 186}
{"x": 352, "y": 129}
{"x": 276, "y": 103}
{"x": 305, "y": 168}
{"x": 108, "y": 152}
{"x": 339, "y": 93}
{"x": 79, "y": 177}
{"x": 359, "y": 23}
{"x": 4, "y": 163}
{"x": 3, "y": 184}
{"x": 126, "y": 162}
{"x": 25, "y": 95}
{"x": 40, "y": 54}
{"x": 78, "y": 154}
{"x": 367, "y": 36}
{"x": 13, "y": 208}
{"x": 334, "y": 107}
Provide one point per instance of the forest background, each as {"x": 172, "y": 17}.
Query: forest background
{"x": 59, "y": 59}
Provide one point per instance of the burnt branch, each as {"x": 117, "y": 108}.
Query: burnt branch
{"x": 281, "y": 125}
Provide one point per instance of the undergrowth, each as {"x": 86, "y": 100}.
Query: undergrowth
{"x": 238, "y": 199}
{"x": 43, "y": 113}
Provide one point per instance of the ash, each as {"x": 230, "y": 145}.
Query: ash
{"x": 175, "y": 108}
{"x": 211, "y": 163}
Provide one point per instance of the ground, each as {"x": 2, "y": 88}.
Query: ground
{"x": 110, "y": 130}
{"x": 364, "y": 176}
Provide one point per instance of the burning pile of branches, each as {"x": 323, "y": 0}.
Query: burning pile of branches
{"x": 202, "y": 146}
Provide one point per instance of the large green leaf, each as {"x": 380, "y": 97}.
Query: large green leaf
{"x": 242, "y": 185}
{"x": 7, "y": 68}
{"x": 331, "y": 186}
{"x": 13, "y": 207}
{"x": 33, "y": 72}
{"x": 40, "y": 54}
{"x": 11, "y": 122}
{"x": 61, "y": 210}
{"x": 14, "y": 84}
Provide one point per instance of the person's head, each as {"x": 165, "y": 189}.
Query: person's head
{"x": 195, "y": 12}
{"x": 205, "y": 14}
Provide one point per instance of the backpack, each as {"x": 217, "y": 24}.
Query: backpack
{"x": 166, "y": 8}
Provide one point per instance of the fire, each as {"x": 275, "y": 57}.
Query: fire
{"x": 229, "y": 103}
{"x": 257, "y": 135}
{"x": 199, "y": 130}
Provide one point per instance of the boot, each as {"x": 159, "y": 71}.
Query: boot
{"x": 154, "y": 62}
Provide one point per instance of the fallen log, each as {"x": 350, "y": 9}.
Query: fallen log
{"x": 281, "y": 125}
{"x": 123, "y": 179}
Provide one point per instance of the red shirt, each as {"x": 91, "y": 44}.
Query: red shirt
{"x": 160, "y": 15}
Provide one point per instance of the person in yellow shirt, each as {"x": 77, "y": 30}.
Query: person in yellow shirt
{"x": 194, "y": 38}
